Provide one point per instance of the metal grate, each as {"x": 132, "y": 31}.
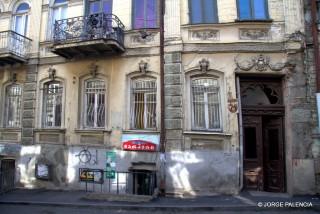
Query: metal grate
{"x": 95, "y": 103}
{"x": 144, "y": 102}
{"x": 13, "y": 106}
{"x": 206, "y": 104}
{"x": 52, "y": 104}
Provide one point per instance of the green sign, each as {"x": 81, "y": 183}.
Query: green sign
{"x": 111, "y": 165}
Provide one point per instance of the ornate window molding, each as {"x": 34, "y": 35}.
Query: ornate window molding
{"x": 205, "y": 102}
{"x": 143, "y": 99}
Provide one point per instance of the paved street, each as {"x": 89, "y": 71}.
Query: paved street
{"x": 42, "y": 201}
{"x": 35, "y": 209}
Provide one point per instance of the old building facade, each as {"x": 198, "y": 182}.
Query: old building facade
{"x": 80, "y": 84}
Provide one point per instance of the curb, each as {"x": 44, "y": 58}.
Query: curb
{"x": 126, "y": 207}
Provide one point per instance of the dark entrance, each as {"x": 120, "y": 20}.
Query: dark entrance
{"x": 144, "y": 182}
{"x": 7, "y": 172}
{"x": 263, "y": 156}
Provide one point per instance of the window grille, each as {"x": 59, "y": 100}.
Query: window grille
{"x": 13, "y": 106}
{"x": 143, "y": 106}
{"x": 52, "y": 104}
{"x": 206, "y": 104}
{"x": 94, "y": 114}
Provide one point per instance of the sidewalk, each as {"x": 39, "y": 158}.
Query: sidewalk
{"x": 254, "y": 201}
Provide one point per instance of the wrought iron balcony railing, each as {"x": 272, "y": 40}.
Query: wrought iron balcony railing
{"x": 87, "y": 28}
{"x": 14, "y": 43}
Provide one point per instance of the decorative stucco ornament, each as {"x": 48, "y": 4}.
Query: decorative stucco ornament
{"x": 93, "y": 68}
{"x": 232, "y": 103}
{"x": 204, "y": 65}
{"x": 143, "y": 67}
{"x": 52, "y": 73}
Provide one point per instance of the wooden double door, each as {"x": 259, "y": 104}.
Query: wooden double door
{"x": 263, "y": 153}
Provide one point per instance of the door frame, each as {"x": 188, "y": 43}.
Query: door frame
{"x": 276, "y": 111}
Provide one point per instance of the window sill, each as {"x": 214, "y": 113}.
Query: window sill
{"x": 208, "y": 133}
{"x": 3, "y": 129}
{"x": 140, "y": 131}
{"x": 157, "y": 29}
{"x": 254, "y": 20}
{"x": 50, "y": 130}
{"x": 92, "y": 131}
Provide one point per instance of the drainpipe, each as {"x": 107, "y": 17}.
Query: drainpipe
{"x": 314, "y": 28}
{"x": 162, "y": 100}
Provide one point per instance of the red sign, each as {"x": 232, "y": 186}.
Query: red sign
{"x": 139, "y": 145}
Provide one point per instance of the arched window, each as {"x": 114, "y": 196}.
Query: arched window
{"x": 143, "y": 103}
{"x": 58, "y": 11}
{"x": 206, "y": 106}
{"x": 21, "y": 18}
{"x": 13, "y": 106}
{"x": 94, "y": 103}
{"x": 52, "y": 104}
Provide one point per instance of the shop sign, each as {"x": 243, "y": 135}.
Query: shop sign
{"x": 91, "y": 175}
{"x": 140, "y": 142}
{"x": 111, "y": 165}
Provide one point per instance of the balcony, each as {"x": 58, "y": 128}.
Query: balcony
{"x": 93, "y": 35}
{"x": 14, "y": 48}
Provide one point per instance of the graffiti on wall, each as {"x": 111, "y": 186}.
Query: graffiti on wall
{"x": 86, "y": 156}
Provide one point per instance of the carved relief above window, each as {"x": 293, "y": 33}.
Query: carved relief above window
{"x": 254, "y": 34}
{"x": 262, "y": 63}
{"x": 211, "y": 35}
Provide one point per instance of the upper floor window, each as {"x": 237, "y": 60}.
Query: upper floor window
{"x": 52, "y": 104}
{"x": 94, "y": 103}
{"x": 206, "y": 107}
{"x": 99, "y": 6}
{"x": 58, "y": 12}
{"x": 143, "y": 104}
{"x": 145, "y": 14}
{"x": 203, "y": 11}
{"x": 13, "y": 106}
{"x": 21, "y": 18}
{"x": 253, "y": 9}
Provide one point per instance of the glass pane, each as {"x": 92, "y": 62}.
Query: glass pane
{"x": 22, "y": 8}
{"x": 196, "y": 13}
{"x": 250, "y": 143}
{"x": 138, "y": 19}
{"x": 259, "y": 9}
{"x": 13, "y": 105}
{"x": 214, "y": 110}
{"x": 260, "y": 94}
{"x": 60, "y": 1}
{"x": 273, "y": 137}
{"x": 94, "y": 7}
{"x": 95, "y": 103}
{"x": 244, "y": 9}
{"x": 52, "y": 104}
{"x": 107, "y": 6}
{"x": 19, "y": 25}
{"x": 144, "y": 104}
{"x": 210, "y": 15}
{"x": 199, "y": 110}
{"x": 151, "y": 13}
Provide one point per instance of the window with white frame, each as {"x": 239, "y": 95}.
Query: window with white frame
{"x": 58, "y": 12}
{"x": 143, "y": 104}
{"x": 94, "y": 103}
{"x": 21, "y": 15}
{"x": 206, "y": 106}
{"x": 13, "y": 106}
{"x": 52, "y": 104}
